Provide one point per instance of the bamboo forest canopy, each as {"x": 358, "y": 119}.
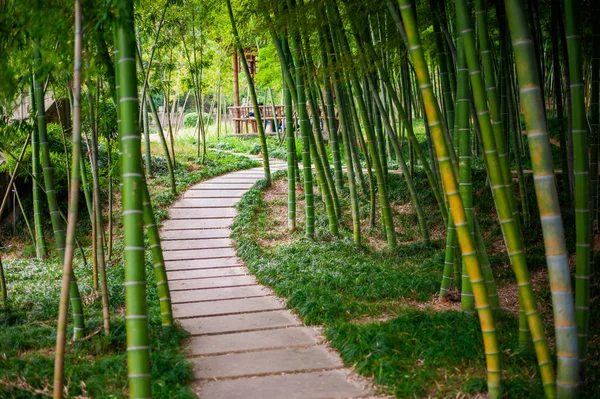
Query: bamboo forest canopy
{"x": 478, "y": 118}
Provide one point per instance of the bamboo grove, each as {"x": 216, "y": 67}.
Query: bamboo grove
{"x": 354, "y": 77}
{"x": 364, "y": 69}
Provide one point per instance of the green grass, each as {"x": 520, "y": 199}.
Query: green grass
{"x": 370, "y": 300}
{"x": 97, "y": 366}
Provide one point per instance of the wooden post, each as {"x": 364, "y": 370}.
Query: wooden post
{"x": 236, "y": 91}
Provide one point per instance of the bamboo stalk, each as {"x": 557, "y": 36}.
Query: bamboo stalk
{"x": 465, "y": 239}
{"x": 73, "y": 209}
{"x": 548, "y": 203}
{"x": 136, "y": 313}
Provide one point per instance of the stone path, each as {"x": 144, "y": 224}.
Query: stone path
{"x": 244, "y": 344}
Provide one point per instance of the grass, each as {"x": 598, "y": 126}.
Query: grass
{"x": 95, "y": 367}
{"x": 379, "y": 307}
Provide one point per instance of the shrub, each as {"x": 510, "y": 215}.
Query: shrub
{"x": 191, "y": 119}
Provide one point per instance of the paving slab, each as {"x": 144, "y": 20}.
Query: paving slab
{"x": 330, "y": 384}
{"x": 197, "y": 244}
{"x": 266, "y": 362}
{"x": 217, "y": 294}
{"x": 236, "y": 180}
{"x": 194, "y": 264}
{"x": 240, "y": 322}
{"x": 191, "y": 234}
{"x": 207, "y": 253}
{"x": 253, "y": 340}
{"x": 222, "y": 186}
{"x": 215, "y": 194}
{"x": 212, "y": 282}
{"x": 205, "y": 202}
{"x": 231, "y": 306}
{"x": 207, "y": 273}
{"x": 201, "y": 213}
{"x": 187, "y": 224}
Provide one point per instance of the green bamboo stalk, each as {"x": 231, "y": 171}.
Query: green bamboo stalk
{"x": 162, "y": 285}
{"x": 97, "y": 222}
{"x": 449, "y": 258}
{"x": 444, "y": 77}
{"x": 73, "y": 209}
{"x": 489, "y": 76}
{"x": 467, "y": 244}
{"x": 147, "y": 153}
{"x": 332, "y": 203}
{"x": 558, "y": 100}
{"x": 110, "y": 200}
{"x": 3, "y": 289}
{"x": 55, "y": 215}
{"x": 259, "y": 123}
{"x": 462, "y": 144}
{"x": 595, "y": 117}
{"x": 583, "y": 228}
{"x": 41, "y": 250}
{"x": 165, "y": 146}
{"x": 86, "y": 186}
{"x": 331, "y": 120}
{"x": 59, "y": 233}
{"x": 353, "y": 125}
{"x": 548, "y": 202}
{"x": 354, "y": 201}
{"x": 305, "y": 134}
{"x": 291, "y": 151}
{"x": 344, "y": 129}
{"x": 136, "y": 313}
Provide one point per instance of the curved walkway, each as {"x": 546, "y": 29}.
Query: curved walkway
{"x": 244, "y": 344}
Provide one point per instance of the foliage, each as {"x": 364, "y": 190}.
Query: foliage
{"x": 191, "y": 119}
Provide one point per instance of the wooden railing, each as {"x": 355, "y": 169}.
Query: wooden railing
{"x": 244, "y": 120}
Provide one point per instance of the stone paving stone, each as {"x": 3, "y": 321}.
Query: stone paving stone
{"x": 257, "y": 175}
{"x": 201, "y": 213}
{"x": 253, "y": 340}
{"x": 186, "y": 224}
{"x": 222, "y": 186}
{"x": 230, "y": 306}
{"x": 175, "y": 265}
{"x": 196, "y": 244}
{"x": 207, "y": 273}
{"x": 265, "y": 362}
{"x": 213, "y": 282}
{"x": 240, "y": 322}
{"x": 215, "y": 194}
{"x": 207, "y": 253}
{"x": 216, "y": 294}
{"x": 205, "y": 203}
{"x": 330, "y": 384}
{"x": 236, "y": 180}
{"x": 191, "y": 233}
